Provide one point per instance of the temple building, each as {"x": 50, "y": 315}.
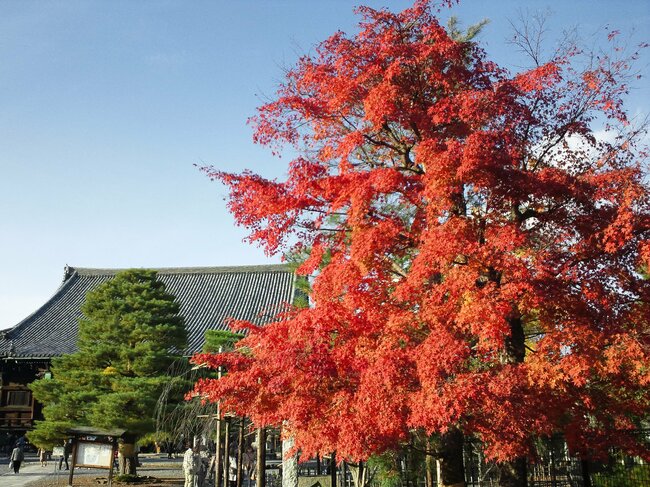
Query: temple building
{"x": 208, "y": 298}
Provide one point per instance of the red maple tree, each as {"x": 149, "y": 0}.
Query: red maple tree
{"x": 476, "y": 249}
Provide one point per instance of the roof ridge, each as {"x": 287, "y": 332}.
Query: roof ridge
{"x": 91, "y": 271}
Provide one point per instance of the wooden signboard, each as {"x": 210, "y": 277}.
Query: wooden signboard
{"x": 93, "y": 448}
{"x": 94, "y": 455}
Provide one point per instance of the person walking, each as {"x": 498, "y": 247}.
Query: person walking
{"x": 17, "y": 457}
{"x": 191, "y": 466}
{"x": 249, "y": 464}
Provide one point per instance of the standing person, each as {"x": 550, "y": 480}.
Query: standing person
{"x": 232, "y": 469}
{"x": 17, "y": 457}
{"x": 20, "y": 443}
{"x": 191, "y": 466}
{"x": 67, "y": 449}
{"x": 170, "y": 449}
{"x": 249, "y": 464}
{"x": 42, "y": 456}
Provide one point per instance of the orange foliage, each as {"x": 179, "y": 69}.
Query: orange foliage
{"x": 451, "y": 208}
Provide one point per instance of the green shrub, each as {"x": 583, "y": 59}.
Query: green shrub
{"x": 622, "y": 476}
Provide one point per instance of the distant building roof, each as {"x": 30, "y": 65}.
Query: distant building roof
{"x": 208, "y": 297}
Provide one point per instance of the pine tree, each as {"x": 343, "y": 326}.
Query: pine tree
{"x": 129, "y": 335}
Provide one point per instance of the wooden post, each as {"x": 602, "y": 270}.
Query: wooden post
{"x": 217, "y": 453}
{"x": 217, "y": 449}
{"x": 74, "y": 460}
{"x": 406, "y": 469}
{"x": 333, "y": 468}
{"x": 586, "y": 477}
{"x": 429, "y": 463}
{"x": 553, "y": 469}
{"x": 240, "y": 452}
{"x": 226, "y": 454}
{"x": 110, "y": 470}
{"x": 261, "y": 458}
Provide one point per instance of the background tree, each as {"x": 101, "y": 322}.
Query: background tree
{"x": 458, "y": 207}
{"x": 129, "y": 335}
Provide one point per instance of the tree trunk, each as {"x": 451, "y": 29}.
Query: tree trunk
{"x": 429, "y": 466}
{"x": 357, "y": 472}
{"x": 127, "y": 460}
{"x": 127, "y": 465}
{"x": 452, "y": 467}
{"x": 333, "y": 469}
{"x": 289, "y": 464}
{"x": 514, "y": 472}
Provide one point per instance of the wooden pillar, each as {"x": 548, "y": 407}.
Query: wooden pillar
{"x": 261, "y": 458}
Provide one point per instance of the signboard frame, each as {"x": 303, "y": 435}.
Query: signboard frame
{"x": 87, "y": 437}
{"x": 105, "y": 449}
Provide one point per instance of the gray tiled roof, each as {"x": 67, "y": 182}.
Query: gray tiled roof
{"x": 208, "y": 296}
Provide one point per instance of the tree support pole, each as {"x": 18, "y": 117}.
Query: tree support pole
{"x": 240, "y": 451}
{"x": 217, "y": 448}
{"x": 429, "y": 466}
{"x": 261, "y": 458}
{"x": 226, "y": 454}
{"x": 218, "y": 452}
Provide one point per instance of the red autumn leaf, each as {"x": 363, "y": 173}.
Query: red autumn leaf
{"x": 479, "y": 249}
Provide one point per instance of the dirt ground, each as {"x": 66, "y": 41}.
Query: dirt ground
{"x": 155, "y": 471}
{"x": 86, "y": 481}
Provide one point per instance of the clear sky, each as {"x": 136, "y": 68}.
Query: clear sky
{"x": 107, "y": 105}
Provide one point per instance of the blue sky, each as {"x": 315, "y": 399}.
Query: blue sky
{"x": 107, "y": 105}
